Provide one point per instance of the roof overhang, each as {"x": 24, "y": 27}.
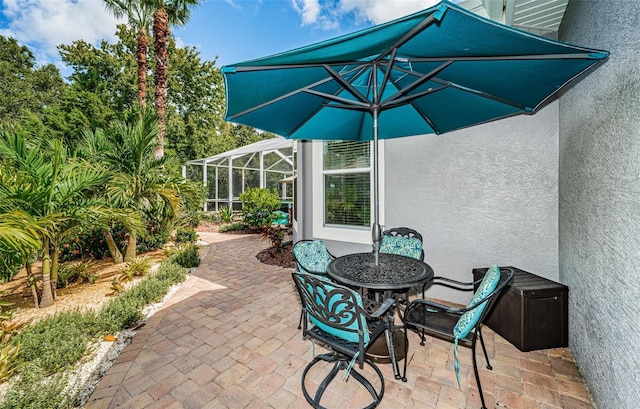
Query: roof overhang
{"x": 541, "y": 17}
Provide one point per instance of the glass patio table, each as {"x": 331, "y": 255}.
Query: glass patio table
{"x": 393, "y": 274}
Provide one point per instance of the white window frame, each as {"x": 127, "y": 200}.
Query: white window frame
{"x": 361, "y": 235}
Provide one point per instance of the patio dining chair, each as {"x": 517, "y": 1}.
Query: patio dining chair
{"x": 311, "y": 257}
{"x": 337, "y": 318}
{"x": 462, "y": 326}
{"x": 402, "y": 241}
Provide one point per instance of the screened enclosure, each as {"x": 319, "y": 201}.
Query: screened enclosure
{"x": 266, "y": 164}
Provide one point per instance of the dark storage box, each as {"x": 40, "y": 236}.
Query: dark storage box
{"x": 532, "y": 312}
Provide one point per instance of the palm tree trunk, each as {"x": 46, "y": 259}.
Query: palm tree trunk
{"x": 31, "y": 281}
{"x": 130, "y": 254}
{"x": 141, "y": 57}
{"x": 116, "y": 254}
{"x": 47, "y": 296}
{"x": 55, "y": 264}
{"x": 161, "y": 34}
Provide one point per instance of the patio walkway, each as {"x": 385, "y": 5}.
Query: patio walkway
{"x": 228, "y": 338}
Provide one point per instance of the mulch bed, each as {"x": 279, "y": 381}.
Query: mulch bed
{"x": 278, "y": 256}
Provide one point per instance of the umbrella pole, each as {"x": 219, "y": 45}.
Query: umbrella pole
{"x": 375, "y": 231}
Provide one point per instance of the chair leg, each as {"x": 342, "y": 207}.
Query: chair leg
{"x": 341, "y": 363}
{"x": 475, "y": 371}
{"x": 484, "y": 349}
{"x": 300, "y": 322}
{"x": 423, "y": 339}
{"x": 406, "y": 355}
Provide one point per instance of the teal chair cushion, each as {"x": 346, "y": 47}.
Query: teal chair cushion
{"x": 403, "y": 246}
{"x": 469, "y": 319}
{"x": 312, "y": 256}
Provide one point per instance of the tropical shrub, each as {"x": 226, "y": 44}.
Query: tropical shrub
{"x": 258, "y": 205}
{"x": 138, "y": 267}
{"x": 8, "y": 360}
{"x": 225, "y": 215}
{"x": 74, "y": 271}
{"x": 186, "y": 235}
{"x": 186, "y": 255}
{"x": 89, "y": 243}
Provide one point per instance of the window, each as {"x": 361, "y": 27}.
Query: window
{"x": 343, "y": 190}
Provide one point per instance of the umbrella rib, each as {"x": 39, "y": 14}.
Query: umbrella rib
{"x": 576, "y": 56}
{"x": 336, "y": 98}
{"x": 426, "y": 119}
{"x": 408, "y": 36}
{"x": 285, "y": 96}
{"x": 408, "y": 99}
{"x": 482, "y": 94}
{"x": 345, "y": 84}
{"x": 348, "y": 106}
{"x": 421, "y": 80}
{"x": 392, "y": 59}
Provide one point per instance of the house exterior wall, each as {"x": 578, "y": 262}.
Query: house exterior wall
{"x": 599, "y": 205}
{"x": 480, "y": 196}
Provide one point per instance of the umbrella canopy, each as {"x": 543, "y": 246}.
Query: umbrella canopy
{"x": 435, "y": 71}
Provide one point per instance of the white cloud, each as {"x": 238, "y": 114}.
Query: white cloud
{"x": 44, "y": 24}
{"x": 309, "y": 10}
{"x": 312, "y": 12}
{"x": 381, "y": 11}
{"x": 327, "y": 13}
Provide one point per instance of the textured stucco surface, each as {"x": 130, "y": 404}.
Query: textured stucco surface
{"x": 481, "y": 196}
{"x": 599, "y": 207}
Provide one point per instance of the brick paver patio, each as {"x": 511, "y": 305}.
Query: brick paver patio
{"x": 228, "y": 338}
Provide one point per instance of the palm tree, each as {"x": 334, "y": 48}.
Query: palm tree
{"x": 140, "y": 16}
{"x": 166, "y": 13}
{"x": 54, "y": 192}
{"x": 138, "y": 180}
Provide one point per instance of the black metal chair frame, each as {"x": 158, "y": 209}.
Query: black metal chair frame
{"x": 342, "y": 351}
{"x": 299, "y": 264}
{"x": 437, "y": 320}
{"x": 406, "y": 232}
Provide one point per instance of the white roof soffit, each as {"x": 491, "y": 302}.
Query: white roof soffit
{"x": 535, "y": 16}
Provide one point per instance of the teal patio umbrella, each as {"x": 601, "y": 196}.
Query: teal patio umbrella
{"x": 435, "y": 71}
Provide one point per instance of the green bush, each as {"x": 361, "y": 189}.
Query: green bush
{"x": 88, "y": 244}
{"x": 58, "y": 341}
{"x": 186, "y": 255}
{"x": 225, "y": 215}
{"x": 73, "y": 271}
{"x": 138, "y": 267}
{"x": 158, "y": 234}
{"x": 186, "y": 235}
{"x": 126, "y": 310}
{"x": 233, "y": 227}
{"x": 171, "y": 273}
{"x": 258, "y": 206}
{"x": 33, "y": 390}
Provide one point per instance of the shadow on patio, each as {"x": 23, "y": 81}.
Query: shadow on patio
{"x": 228, "y": 338}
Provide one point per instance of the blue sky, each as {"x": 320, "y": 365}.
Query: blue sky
{"x": 233, "y": 30}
